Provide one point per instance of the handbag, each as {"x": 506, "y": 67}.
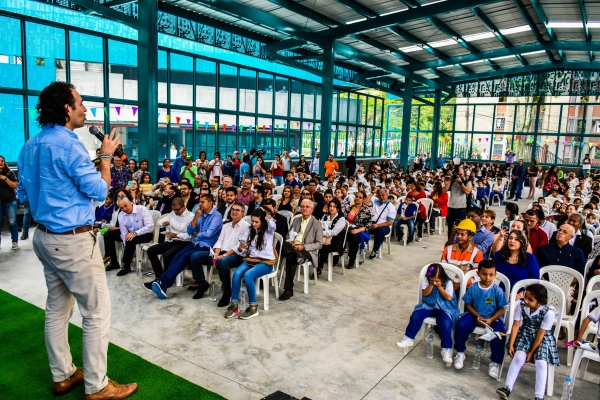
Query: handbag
{"x": 327, "y": 240}
{"x": 254, "y": 260}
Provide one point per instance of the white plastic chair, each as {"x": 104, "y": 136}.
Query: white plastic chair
{"x": 495, "y": 196}
{"x": 278, "y": 190}
{"x": 248, "y": 219}
{"x": 440, "y": 222}
{"x": 553, "y": 292}
{"x": 140, "y": 249}
{"x": 276, "y": 197}
{"x": 271, "y": 277}
{"x": 428, "y": 203}
{"x": 582, "y": 357}
{"x": 288, "y": 215}
{"x": 563, "y": 276}
{"x": 335, "y": 253}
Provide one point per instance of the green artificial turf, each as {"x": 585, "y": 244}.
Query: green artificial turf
{"x": 25, "y": 374}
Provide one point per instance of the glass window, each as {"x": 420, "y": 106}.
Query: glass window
{"x": 379, "y": 113}
{"x": 227, "y": 87}
{"x": 425, "y": 118}
{"x": 377, "y": 143}
{"x": 318, "y": 94}
{"x": 343, "y": 107}
{"x": 525, "y": 118}
{"x": 246, "y": 134}
{"x": 166, "y": 148}
{"x": 227, "y": 134}
{"x": 281, "y": 95}
{"x": 46, "y": 60}
{"x": 162, "y": 77}
{"x": 181, "y": 70}
{"x": 296, "y": 100}
{"x": 34, "y": 127}
{"x": 12, "y": 115}
{"x": 481, "y": 146}
{"x": 206, "y": 83}
{"x": 446, "y": 119}
{"x": 484, "y": 118}
{"x": 182, "y": 125}
{"x": 205, "y": 134}
{"x": 547, "y": 150}
{"x": 334, "y": 106}
{"x": 122, "y": 67}
{"x": 352, "y": 138}
{"x": 362, "y": 106}
{"x": 353, "y": 108}
{"x": 265, "y": 94}
{"x": 369, "y": 143}
{"x": 309, "y": 102}
{"x": 264, "y": 137}
{"x": 280, "y": 136}
{"x": 247, "y": 90}
{"x": 370, "y": 111}
{"x": 464, "y": 118}
{"x": 295, "y": 136}
{"x": 444, "y": 145}
{"x": 308, "y": 137}
{"x": 87, "y": 72}
{"x": 11, "y": 70}
{"x": 122, "y": 117}
{"x": 462, "y": 145}
{"x": 338, "y": 145}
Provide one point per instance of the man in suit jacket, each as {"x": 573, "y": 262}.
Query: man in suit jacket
{"x": 517, "y": 177}
{"x": 581, "y": 240}
{"x": 304, "y": 246}
{"x": 257, "y": 195}
{"x": 281, "y": 222}
{"x": 225, "y": 208}
{"x": 351, "y": 164}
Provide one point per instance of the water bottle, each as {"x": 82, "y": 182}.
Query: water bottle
{"x": 477, "y": 358}
{"x": 430, "y": 347}
{"x": 213, "y": 292}
{"x": 566, "y": 393}
{"x": 243, "y": 304}
{"x": 139, "y": 268}
{"x": 487, "y": 352}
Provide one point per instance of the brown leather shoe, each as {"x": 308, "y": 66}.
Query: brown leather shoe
{"x": 64, "y": 387}
{"x": 113, "y": 391}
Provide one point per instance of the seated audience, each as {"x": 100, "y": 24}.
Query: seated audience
{"x": 561, "y": 252}
{"x": 334, "y": 225}
{"x": 514, "y": 261}
{"x": 406, "y": 215}
{"x": 383, "y": 214}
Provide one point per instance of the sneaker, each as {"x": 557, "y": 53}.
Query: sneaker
{"x": 232, "y": 311}
{"x": 159, "y": 290}
{"x": 250, "y": 312}
{"x": 419, "y": 239}
{"x": 405, "y": 342}
{"x": 15, "y": 246}
{"x": 447, "y": 356}
{"x": 503, "y": 393}
{"x": 493, "y": 370}
{"x": 373, "y": 255}
{"x": 25, "y": 236}
{"x": 148, "y": 285}
{"x": 459, "y": 360}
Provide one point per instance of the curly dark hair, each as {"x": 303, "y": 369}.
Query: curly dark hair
{"x": 505, "y": 252}
{"x": 51, "y": 104}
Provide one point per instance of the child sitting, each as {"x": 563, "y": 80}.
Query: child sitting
{"x": 531, "y": 339}
{"x": 406, "y": 215}
{"x": 592, "y": 220}
{"x": 439, "y": 302}
{"x": 484, "y": 303}
{"x": 483, "y": 194}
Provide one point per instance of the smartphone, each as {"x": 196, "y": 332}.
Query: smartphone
{"x": 130, "y": 183}
{"x": 505, "y": 225}
{"x": 456, "y": 222}
{"x": 162, "y": 179}
{"x": 242, "y": 241}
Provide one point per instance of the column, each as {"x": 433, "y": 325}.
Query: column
{"x": 406, "y": 114}
{"x": 326, "y": 107}
{"x": 437, "y": 103}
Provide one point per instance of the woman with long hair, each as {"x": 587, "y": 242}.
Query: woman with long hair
{"x": 259, "y": 260}
{"x": 133, "y": 166}
{"x": 202, "y": 165}
{"x": 517, "y": 225}
{"x": 297, "y": 190}
{"x": 533, "y": 173}
{"x": 8, "y": 201}
{"x": 302, "y": 165}
{"x": 514, "y": 261}
{"x": 333, "y": 222}
{"x": 287, "y": 202}
{"x": 146, "y": 185}
{"x": 440, "y": 202}
{"x": 135, "y": 191}
{"x": 259, "y": 169}
{"x": 319, "y": 212}
{"x": 550, "y": 178}
{"x": 359, "y": 218}
{"x": 277, "y": 170}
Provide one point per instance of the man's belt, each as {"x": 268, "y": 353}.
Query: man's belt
{"x": 80, "y": 229}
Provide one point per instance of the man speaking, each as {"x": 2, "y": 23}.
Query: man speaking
{"x": 58, "y": 179}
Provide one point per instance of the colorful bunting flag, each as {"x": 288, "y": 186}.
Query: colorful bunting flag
{"x": 118, "y": 110}
{"x": 134, "y": 109}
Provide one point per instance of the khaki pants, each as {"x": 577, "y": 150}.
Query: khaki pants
{"x": 74, "y": 270}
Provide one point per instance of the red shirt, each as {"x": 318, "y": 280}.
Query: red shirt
{"x": 537, "y": 238}
{"x": 442, "y": 202}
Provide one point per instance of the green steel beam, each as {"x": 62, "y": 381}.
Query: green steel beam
{"x": 524, "y": 70}
{"x": 586, "y": 30}
{"x": 494, "y": 29}
{"x": 359, "y": 8}
{"x": 115, "y": 3}
{"x": 214, "y": 23}
{"x": 411, "y": 3}
{"x": 384, "y": 47}
{"x": 325, "y": 138}
{"x": 436, "y": 128}
{"x": 107, "y": 12}
{"x": 375, "y": 74}
{"x": 406, "y": 117}
{"x": 283, "y": 45}
{"x": 147, "y": 55}
{"x": 306, "y": 12}
{"x": 527, "y": 17}
{"x": 307, "y": 57}
{"x": 528, "y": 48}
{"x": 537, "y": 6}
{"x": 412, "y": 14}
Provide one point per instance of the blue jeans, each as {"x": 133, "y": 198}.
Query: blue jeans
{"x": 249, "y": 273}
{"x": 26, "y": 217}
{"x": 10, "y": 210}
{"x": 466, "y": 325}
{"x": 278, "y": 181}
{"x": 180, "y": 261}
{"x": 197, "y": 260}
{"x": 411, "y": 228}
{"x": 442, "y": 320}
{"x": 224, "y": 266}
{"x": 500, "y": 195}
{"x": 379, "y": 238}
{"x": 516, "y": 188}
{"x": 482, "y": 202}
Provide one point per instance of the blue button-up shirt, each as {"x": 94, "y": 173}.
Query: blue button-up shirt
{"x": 208, "y": 228}
{"x": 59, "y": 180}
{"x": 568, "y": 256}
{"x": 483, "y": 239}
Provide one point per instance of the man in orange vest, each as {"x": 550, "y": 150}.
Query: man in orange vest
{"x": 463, "y": 253}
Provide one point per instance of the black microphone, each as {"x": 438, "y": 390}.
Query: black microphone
{"x": 94, "y": 130}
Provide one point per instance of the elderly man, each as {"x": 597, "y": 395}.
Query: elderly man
{"x": 580, "y": 240}
{"x": 176, "y": 236}
{"x": 205, "y": 228}
{"x": 226, "y": 256}
{"x": 120, "y": 174}
{"x": 383, "y": 215}
{"x": 135, "y": 227}
{"x": 305, "y": 240}
{"x": 227, "y": 182}
{"x": 561, "y": 252}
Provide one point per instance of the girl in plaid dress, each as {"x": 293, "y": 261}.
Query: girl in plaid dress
{"x": 531, "y": 339}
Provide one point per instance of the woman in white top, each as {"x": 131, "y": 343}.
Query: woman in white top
{"x": 333, "y": 227}
{"x": 258, "y": 261}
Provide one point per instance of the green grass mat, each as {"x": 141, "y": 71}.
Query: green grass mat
{"x": 25, "y": 374}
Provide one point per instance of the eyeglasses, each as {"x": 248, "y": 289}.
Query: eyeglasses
{"x": 236, "y": 210}
{"x": 563, "y": 231}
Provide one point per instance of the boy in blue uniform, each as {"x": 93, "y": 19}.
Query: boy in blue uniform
{"x": 483, "y": 195}
{"x": 484, "y": 302}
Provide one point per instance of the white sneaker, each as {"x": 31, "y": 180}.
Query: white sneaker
{"x": 15, "y": 246}
{"x": 419, "y": 239}
{"x": 447, "y": 356}
{"x": 405, "y": 342}
{"x": 493, "y": 372}
{"x": 459, "y": 360}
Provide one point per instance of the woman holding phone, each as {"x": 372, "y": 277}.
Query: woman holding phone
{"x": 259, "y": 260}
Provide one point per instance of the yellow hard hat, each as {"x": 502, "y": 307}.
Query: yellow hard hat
{"x": 467, "y": 225}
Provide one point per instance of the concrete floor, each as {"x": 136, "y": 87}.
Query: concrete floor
{"x": 336, "y": 342}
